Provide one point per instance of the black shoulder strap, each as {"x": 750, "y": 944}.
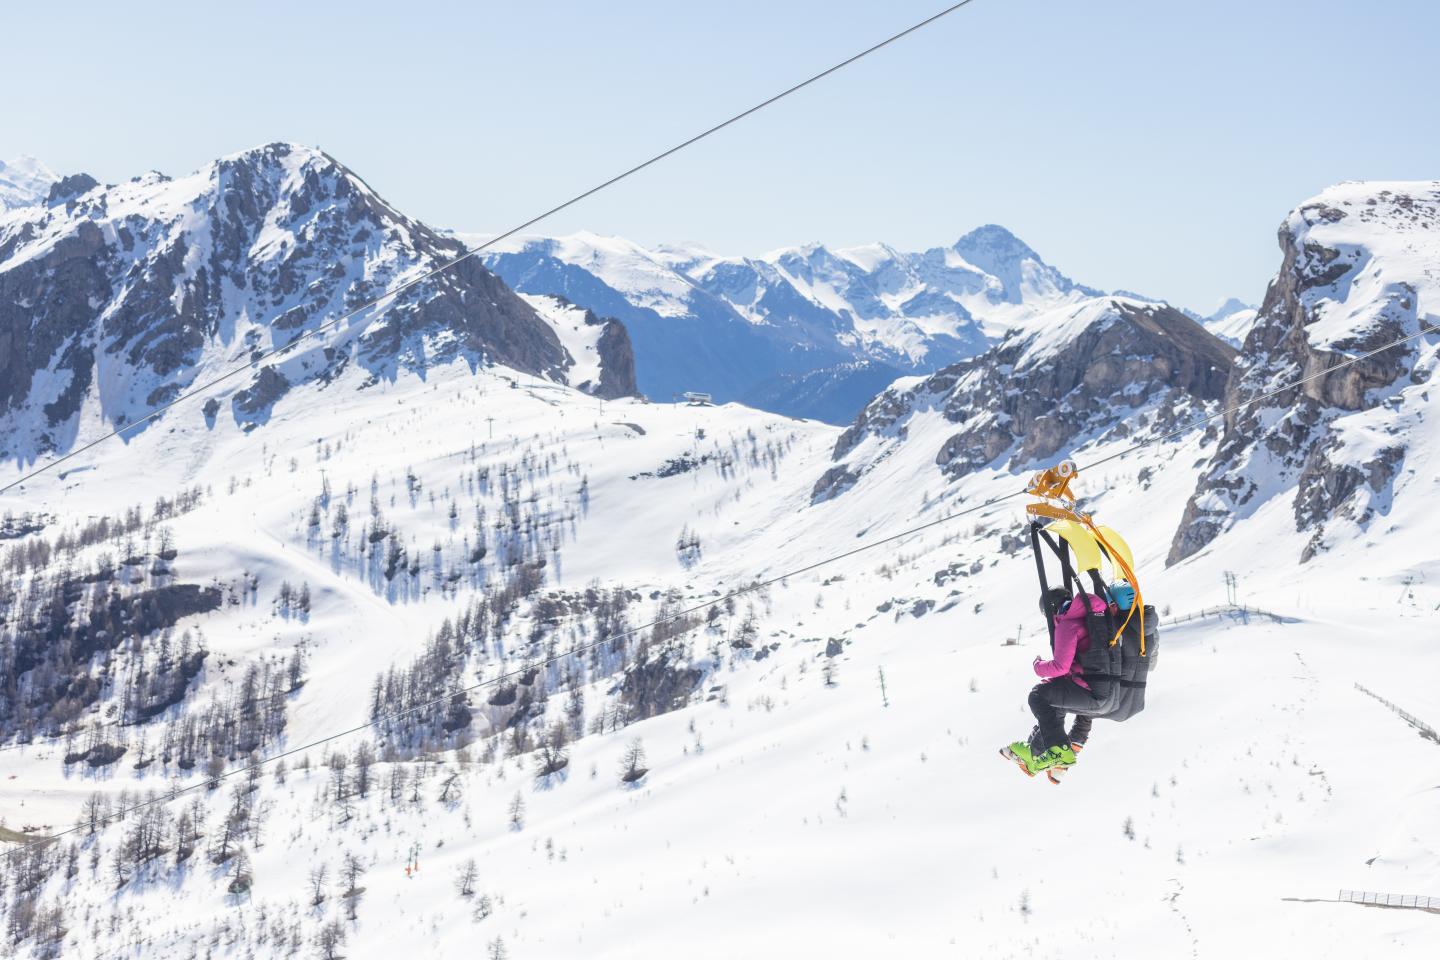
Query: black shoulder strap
{"x": 1060, "y": 548}
{"x": 1035, "y": 534}
{"x": 1103, "y": 591}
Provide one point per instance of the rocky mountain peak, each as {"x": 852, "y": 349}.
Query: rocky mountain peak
{"x": 992, "y": 248}
{"x": 243, "y": 256}
{"x": 1356, "y": 273}
{"x": 1108, "y": 366}
{"x": 1230, "y": 306}
{"x": 67, "y": 188}
{"x": 1021, "y": 273}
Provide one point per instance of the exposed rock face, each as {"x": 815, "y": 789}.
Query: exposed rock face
{"x": 1075, "y": 374}
{"x": 884, "y": 414}
{"x": 154, "y": 277}
{"x": 659, "y": 684}
{"x": 599, "y": 359}
{"x": 617, "y": 362}
{"x": 1353, "y": 278}
{"x": 72, "y": 186}
{"x": 269, "y": 385}
{"x": 69, "y": 279}
{"x": 832, "y": 483}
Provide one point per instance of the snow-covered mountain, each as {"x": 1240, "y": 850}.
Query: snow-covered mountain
{"x": 1106, "y": 369}
{"x": 764, "y": 330}
{"x": 24, "y": 181}
{"x": 116, "y": 299}
{"x": 1359, "y": 270}
{"x": 806, "y": 770}
{"x": 1231, "y": 321}
{"x": 685, "y": 338}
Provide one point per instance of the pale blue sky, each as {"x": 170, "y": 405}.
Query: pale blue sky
{"x": 1134, "y": 143}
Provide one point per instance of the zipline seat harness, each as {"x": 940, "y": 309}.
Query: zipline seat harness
{"x": 1115, "y": 671}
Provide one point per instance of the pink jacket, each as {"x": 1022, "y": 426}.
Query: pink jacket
{"x": 1071, "y": 638}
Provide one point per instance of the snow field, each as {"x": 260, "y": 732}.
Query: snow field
{"x": 1286, "y": 780}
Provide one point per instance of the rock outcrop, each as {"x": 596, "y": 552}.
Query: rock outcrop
{"x": 617, "y": 361}
{"x": 599, "y": 358}
{"x": 1355, "y": 275}
{"x": 1077, "y": 374}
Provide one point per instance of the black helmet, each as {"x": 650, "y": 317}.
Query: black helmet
{"x": 1052, "y": 601}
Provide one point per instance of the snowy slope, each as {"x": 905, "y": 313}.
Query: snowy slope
{"x": 788, "y": 810}
{"x": 24, "y": 181}
{"x": 878, "y": 828}
{"x": 580, "y": 340}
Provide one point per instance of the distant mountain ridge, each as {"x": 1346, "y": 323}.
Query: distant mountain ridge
{"x": 24, "y": 181}
{"x": 806, "y": 331}
{"x": 1230, "y": 321}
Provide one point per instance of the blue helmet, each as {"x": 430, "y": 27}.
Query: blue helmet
{"x": 1124, "y": 595}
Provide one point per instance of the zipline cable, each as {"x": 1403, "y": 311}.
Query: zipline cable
{"x": 660, "y": 621}
{"x": 255, "y": 361}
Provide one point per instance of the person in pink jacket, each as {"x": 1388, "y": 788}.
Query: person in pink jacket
{"x": 1071, "y": 640}
{"x": 1063, "y": 689}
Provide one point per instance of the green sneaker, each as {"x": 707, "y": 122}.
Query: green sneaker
{"x": 1057, "y": 756}
{"x": 1021, "y": 755}
{"x": 1058, "y": 770}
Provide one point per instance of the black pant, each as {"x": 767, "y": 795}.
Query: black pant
{"x": 1080, "y": 728}
{"x": 1051, "y": 701}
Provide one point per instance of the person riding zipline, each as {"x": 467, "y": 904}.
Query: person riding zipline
{"x": 1062, "y": 688}
{"x": 1098, "y": 637}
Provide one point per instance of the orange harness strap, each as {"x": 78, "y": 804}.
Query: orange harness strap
{"x": 1119, "y": 561}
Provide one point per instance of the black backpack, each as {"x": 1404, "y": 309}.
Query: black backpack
{"x": 1134, "y": 668}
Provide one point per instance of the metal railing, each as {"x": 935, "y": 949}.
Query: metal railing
{"x": 1425, "y": 729}
{"x": 1390, "y": 899}
{"x": 1239, "y": 612}
{"x": 1234, "y": 611}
